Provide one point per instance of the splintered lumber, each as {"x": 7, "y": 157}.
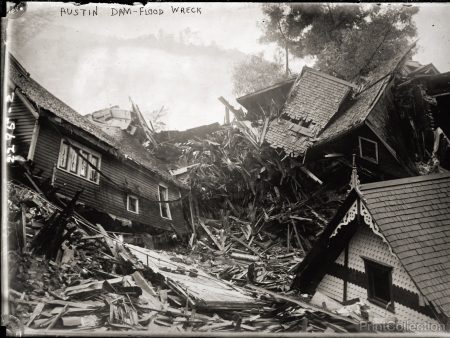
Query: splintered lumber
{"x": 36, "y": 312}
{"x": 147, "y": 291}
{"x": 90, "y": 288}
{"x": 50, "y": 238}
{"x": 216, "y": 242}
{"x": 71, "y": 321}
{"x": 311, "y": 175}
{"x": 108, "y": 240}
{"x": 298, "y": 238}
{"x": 264, "y": 131}
{"x": 83, "y": 321}
{"x": 54, "y": 320}
{"x": 245, "y": 244}
{"x": 199, "y": 289}
{"x": 245, "y": 257}
{"x": 302, "y": 304}
{"x": 81, "y": 305}
{"x": 23, "y": 230}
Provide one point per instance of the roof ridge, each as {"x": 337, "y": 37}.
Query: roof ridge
{"x": 82, "y": 122}
{"x": 404, "y": 181}
{"x": 272, "y": 86}
{"x": 328, "y": 76}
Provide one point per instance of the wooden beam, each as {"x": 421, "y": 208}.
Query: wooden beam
{"x": 235, "y": 111}
{"x": 298, "y": 237}
{"x": 264, "y": 131}
{"x": 216, "y": 242}
{"x": 27, "y": 103}
{"x": 311, "y": 175}
{"x": 303, "y": 304}
{"x": 23, "y": 229}
{"x": 33, "y": 143}
{"x": 289, "y": 237}
{"x": 36, "y": 312}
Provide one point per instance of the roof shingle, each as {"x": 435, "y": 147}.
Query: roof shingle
{"x": 312, "y": 102}
{"x": 414, "y": 216}
{"x": 46, "y": 100}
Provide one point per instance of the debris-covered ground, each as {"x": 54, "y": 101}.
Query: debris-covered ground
{"x": 85, "y": 278}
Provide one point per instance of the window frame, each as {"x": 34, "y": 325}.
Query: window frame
{"x": 137, "y": 203}
{"x": 166, "y": 205}
{"x": 87, "y": 152}
{"x": 369, "y": 267}
{"x": 360, "y": 139}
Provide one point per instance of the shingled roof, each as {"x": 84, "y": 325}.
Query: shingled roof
{"x": 413, "y": 214}
{"x": 312, "y": 102}
{"x": 46, "y": 100}
{"x": 355, "y": 115}
{"x": 360, "y": 108}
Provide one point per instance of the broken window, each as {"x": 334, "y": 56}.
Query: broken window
{"x": 73, "y": 158}
{"x": 63, "y": 156}
{"x": 133, "y": 204}
{"x": 164, "y": 196}
{"x": 368, "y": 149}
{"x": 83, "y": 164}
{"x": 379, "y": 284}
{"x": 93, "y": 173}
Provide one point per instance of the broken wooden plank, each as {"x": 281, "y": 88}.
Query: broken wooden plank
{"x": 311, "y": 175}
{"x": 23, "y": 230}
{"x": 211, "y": 236}
{"x": 297, "y": 236}
{"x": 54, "y": 320}
{"x": 81, "y": 305}
{"x": 37, "y": 310}
{"x": 147, "y": 292}
{"x": 245, "y": 244}
{"x": 302, "y": 304}
{"x": 245, "y": 257}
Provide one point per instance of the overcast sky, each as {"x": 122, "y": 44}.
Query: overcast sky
{"x": 80, "y": 59}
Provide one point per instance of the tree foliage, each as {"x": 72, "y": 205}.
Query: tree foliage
{"x": 255, "y": 73}
{"x": 347, "y": 41}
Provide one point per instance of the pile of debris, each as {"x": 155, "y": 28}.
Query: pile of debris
{"x": 239, "y": 182}
{"x": 93, "y": 281}
{"x": 233, "y": 254}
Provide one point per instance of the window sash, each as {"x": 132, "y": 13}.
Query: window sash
{"x": 83, "y": 164}
{"x": 133, "y": 204}
{"x": 93, "y": 176}
{"x": 74, "y": 158}
{"x": 73, "y": 161}
{"x": 63, "y": 155}
{"x": 372, "y": 268}
{"x": 164, "y": 208}
{"x": 365, "y": 142}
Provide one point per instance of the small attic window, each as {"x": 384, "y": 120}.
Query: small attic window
{"x": 368, "y": 149}
{"x": 379, "y": 284}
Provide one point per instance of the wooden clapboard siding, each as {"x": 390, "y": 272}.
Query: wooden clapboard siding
{"x": 24, "y": 122}
{"x": 107, "y": 196}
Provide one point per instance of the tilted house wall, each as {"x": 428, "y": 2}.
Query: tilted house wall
{"x": 43, "y": 122}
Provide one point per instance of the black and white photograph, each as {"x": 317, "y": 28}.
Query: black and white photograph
{"x": 225, "y": 169}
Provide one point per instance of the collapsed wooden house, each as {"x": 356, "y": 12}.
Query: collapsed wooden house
{"x": 387, "y": 246}
{"x": 395, "y": 123}
{"x": 124, "y": 186}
